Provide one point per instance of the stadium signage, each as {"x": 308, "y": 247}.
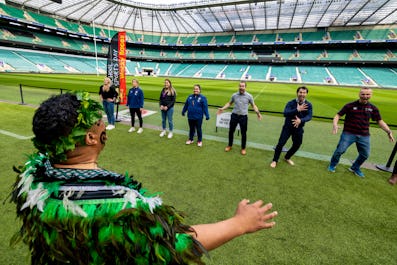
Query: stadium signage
{"x": 223, "y": 120}
{"x": 116, "y": 64}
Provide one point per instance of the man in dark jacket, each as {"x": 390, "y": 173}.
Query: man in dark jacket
{"x": 196, "y": 106}
{"x": 297, "y": 112}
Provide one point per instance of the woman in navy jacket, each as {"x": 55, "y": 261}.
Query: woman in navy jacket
{"x": 196, "y": 106}
{"x": 135, "y": 103}
{"x": 167, "y": 101}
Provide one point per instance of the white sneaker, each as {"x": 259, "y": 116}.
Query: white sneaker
{"x": 132, "y": 129}
{"x": 110, "y": 127}
{"x": 170, "y": 134}
{"x": 199, "y": 144}
{"x": 189, "y": 142}
{"x": 140, "y": 130}
{"x": 162, "y": 133}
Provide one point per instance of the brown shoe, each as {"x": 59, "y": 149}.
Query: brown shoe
{"x": 228, "y": 148}
{"x": 393, "y": 179}
{"x": 243, "y": 152}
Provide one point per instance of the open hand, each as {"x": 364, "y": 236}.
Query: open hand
{"x": 253, "y": 217}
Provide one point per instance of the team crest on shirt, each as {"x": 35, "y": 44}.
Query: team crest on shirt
{"x": 368, "y": 110}
{"x": 354, "y": 108}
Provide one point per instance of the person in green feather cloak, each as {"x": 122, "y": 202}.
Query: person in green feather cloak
{"x": 74, "y": 212}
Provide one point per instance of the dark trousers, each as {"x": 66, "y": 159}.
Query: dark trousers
{"x": 395, "y": 168}
{"x": 242, "y": 120}
{"x": 193, "y": 126}
{"x": 286, "y": 133}
{"x": 138, "y": 113}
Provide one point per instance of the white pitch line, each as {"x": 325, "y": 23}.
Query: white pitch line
{"x": 20, "y": 137}
{"x": 260, "y": 92}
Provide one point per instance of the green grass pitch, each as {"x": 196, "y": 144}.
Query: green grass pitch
{"x": 324, "y": 218}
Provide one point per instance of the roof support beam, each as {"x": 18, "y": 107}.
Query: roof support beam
{"x": 337, "y": 16}
{"x": 358, "y": 11}
{"x": 391, "y": 13}
{"x": 216, "y": 18}
{"x": 308, "y": 13}
{"x": 293, "y": 13}
{"x": 373, "y": 13}
{"x": 324, "y": 13}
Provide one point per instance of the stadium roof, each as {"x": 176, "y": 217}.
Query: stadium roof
{"x": 220, "y": 15}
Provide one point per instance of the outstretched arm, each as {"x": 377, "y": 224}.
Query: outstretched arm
{"x": 258, "y": 113}
{"x": 247, "y": 219}
{"x": 227, "y": 105}
{"x": 386, "y": 128}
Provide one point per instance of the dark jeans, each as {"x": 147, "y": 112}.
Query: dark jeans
{"x": 242, "y": 120}
{"x": 286, "y": 133}
{"x": 193, "y": 126}
{"x": 138, "y": 113}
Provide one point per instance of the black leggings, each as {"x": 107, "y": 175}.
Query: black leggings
{"x": 138, "y": 113}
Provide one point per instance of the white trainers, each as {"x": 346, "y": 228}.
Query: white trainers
{"x": 170, "y": 134}
{"x": 140, "y": 130}
{"x": 132, "y": 129}
{"x": 110, "y": 127}
{"x": 162, "y": 133}
{"x": 189, "y": 142}
{"x": 199, "y": 144}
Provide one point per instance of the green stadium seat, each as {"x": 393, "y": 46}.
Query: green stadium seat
{"x": 287, "y": 37}
{"x": 234, "y": 71}
{"x": 204, "y": 39}
{"x": 12, "y": 11}
{"x": 265, "y": 37}
{"x": 343, "y": 35}
{"x": 17, "y": 62}
{"x": 191, "y": 70}
{"x": 347, "y": 75}
{"x": 313, "y": 74}
{"x": 186, "y": 40}
{"x": 166, "y": 39}
{"x": 373, "y": 55}
{"x": 375, "y": 34}
{"x": 243, "y": 55}
{"x": 384, "y": 77}
{"x": 313, "y": 36}
{"x": 223, "y": 38}
{"x": 243, "y": 38}
{"x": 258, "y": 72}
{"x": 211, "y": 70}
{"x": 283, "y": 73}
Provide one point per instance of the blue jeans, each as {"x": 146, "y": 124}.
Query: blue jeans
{"x": 167, "y": 114}
{"x": 347, "y": 139}
{"x": 109, "y": 110}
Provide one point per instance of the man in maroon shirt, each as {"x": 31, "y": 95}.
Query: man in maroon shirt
{"x": 356, "y": 130}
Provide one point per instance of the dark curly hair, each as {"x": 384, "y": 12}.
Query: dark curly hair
{"x": 61, "y": 122}
{"x": 55, "y": 118}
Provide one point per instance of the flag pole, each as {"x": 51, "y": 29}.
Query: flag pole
{"x": 96, "y": 53}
